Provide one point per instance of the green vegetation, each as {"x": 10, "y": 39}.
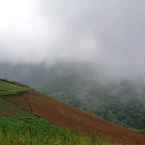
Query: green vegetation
{"x": 7, "y": 89}
{"x": 31, "y": 130}
{"x": 10, "y": 88}
{"x": 28, "y": 129}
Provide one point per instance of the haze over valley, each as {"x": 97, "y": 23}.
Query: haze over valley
{"x": 88, "y": 54}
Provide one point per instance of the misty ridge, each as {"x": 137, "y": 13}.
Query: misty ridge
{"x": 83, "y": 86}
{"x": 79, "y": 51}
{"x": 72, "y": 72}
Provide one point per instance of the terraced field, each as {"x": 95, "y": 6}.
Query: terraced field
{"x": 11, "y": 88}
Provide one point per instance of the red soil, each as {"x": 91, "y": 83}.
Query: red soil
{"x": 74, "y": 119}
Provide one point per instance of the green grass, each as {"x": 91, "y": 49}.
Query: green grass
{"x": 8, "y": 88}
{"x": 31, "y": 130}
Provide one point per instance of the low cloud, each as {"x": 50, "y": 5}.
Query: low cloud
{"x": 109, "y": 33}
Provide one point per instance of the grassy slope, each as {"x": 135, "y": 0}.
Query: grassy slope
{"x": 24, "y": 129}
{"x": 31, "y": 130}
{"x": 10, "y": 88}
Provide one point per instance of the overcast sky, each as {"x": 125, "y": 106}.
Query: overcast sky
{"x": 108, "y": 32}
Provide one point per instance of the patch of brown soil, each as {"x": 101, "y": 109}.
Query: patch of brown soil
{"x": 72, "y": 118}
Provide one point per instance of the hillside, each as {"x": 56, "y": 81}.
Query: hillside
{"x": 120, "y": 101}
{"x": 23, "y": 99}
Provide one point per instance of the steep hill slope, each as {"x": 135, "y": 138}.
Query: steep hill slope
{"x": 120, "y": 101}
{"x": 26, "y": 99}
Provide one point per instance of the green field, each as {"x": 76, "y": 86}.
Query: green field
{"x": 10, "y": 88}
{"x": 32, "y": 130}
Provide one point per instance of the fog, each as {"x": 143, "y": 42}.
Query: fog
{"x": 105, "y": 33}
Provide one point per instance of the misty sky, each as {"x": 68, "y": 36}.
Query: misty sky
{"x": 108, "y": 32}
